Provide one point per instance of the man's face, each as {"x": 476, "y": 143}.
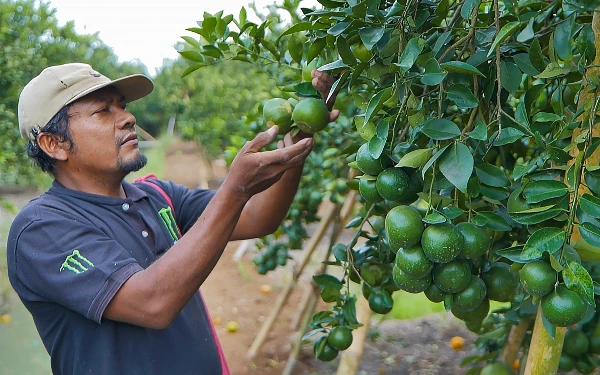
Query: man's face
{"x": 103, "y": 133}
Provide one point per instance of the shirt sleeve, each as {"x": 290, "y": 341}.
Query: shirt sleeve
{"x": 188, "y": 203}
{"x": 57, "y": 258}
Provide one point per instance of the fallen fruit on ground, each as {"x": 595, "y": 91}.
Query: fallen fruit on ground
{"x": 457, "y": 343}
{"x": 232, "y": 326}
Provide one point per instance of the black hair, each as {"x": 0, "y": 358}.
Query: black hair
{"x": 57, "y": 126}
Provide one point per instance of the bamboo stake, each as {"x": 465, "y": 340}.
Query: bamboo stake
{"x": 515, "y": 339}
{"x": 293, "y": 358}
{"x": 303, "y": 305}
{"x": 283, "y": 296}
{"x": 352, "y": 356}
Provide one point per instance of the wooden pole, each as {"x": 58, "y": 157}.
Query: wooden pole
{"x": 352, "y": 356}
{"x": 515, "y": 339}
{"x": 302, "y": 306}
{"x": 544, "y": 352}
{"x": 306, "y": 316}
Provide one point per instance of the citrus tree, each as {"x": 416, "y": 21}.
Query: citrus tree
{"x": 475, "y": 146}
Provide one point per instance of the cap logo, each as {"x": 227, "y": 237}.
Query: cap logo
{"x": 95, "y": 74}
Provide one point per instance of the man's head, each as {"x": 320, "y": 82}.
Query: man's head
{"x": 75, "y": 115}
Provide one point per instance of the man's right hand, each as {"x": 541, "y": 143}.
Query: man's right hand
{"x": 253, "y": 171}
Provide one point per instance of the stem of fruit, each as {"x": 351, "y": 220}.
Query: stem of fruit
{"x": 515, "y": 339}
{"x": 349, "y": 255}
{"x": 544, "y": 352}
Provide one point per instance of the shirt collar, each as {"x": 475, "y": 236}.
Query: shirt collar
{"x": 132, "y": 192}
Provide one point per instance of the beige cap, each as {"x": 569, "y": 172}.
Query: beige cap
{"x": 56, "y": 86}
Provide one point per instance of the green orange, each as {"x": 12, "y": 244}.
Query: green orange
{"x": 278, "y": 111}
{"x": 367, "y": 164}
{"x": 311, "y": 115}
{"x": 563, "y": 307}
{"x": 404, "y": 226}
{"x": 576, "y": 342}
{"x": 380, "y": 302}
{"x": 409, "y": 283}
{"x": 340, "y": 337}
{"x": 476, "y": 315}
{"x": 368, "y": 191}
{"x": 501, "y": 283}
{"x": 496, "y": 368}
{"x": 393, "y": 184}
{"x": 413, "y": 261}
{"x": 471, "y": 297}
{"x": 328, "y": 353}
{"x": 434, "y": 294}
{"x": 452, "y": 277}
{"x": 442, "y": 242}
{"x": 476, "y": 241}
{"x": 538, "y": 278}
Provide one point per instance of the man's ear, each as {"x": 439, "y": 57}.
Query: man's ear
{"x": 53, "y": 146}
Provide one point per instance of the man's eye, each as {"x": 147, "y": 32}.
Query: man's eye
{"x": 103, "y": 109}
{"x": 124, "y": 106}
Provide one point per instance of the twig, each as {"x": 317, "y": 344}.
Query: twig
{"x": 498, "y": 75}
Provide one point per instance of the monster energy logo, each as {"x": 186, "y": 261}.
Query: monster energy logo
{"x": 166, "y": 214}
{"x": 76, "y": 263}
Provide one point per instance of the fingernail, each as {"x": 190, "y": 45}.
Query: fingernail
{"x": 306, "y": 141}
{"x": 273, "y": 130}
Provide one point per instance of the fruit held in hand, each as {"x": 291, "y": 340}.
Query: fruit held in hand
{"x": 311, "y": 115}
{"x": 278, "y": 111}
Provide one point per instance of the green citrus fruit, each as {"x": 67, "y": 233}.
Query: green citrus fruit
{"x": 586, "y": 365}
{"x": 471, "y": 297}
{"x": 415, "y": 186}
{"x": 475, "y": 240}
{"x": 328, "y": 353}
{"x": 393, "y": 183}
{"x": 452, "y": 277}
{"x": 369, "y": 165}
{"x": 366, "y": 290}
{"x": 404, "y": 226}
{"x": 441, "y": 243}
{"x": 595, "y": 344}
{"x": 538, "y": 278}
{"x": 473, "y": 326}
{"x": 381, "y": 302}
{"x": 501, "y": 283}
{"x": 368, "y": 191}
{"x": 576, "y": 343}
{"x": 496, "y": 368}
{"x": 477, "y": 315}
{"x": 566, "y": 363}
{"x": 361, "y": 52}
{"x": 563, "y": 307}
{"x": 340, "y": 337}
{"x": 311, "y": 115}
{"x": 278, "y": 111}
{"x": 413, "y": 262}
{"x": 434, "y": 294}
{"x": 307, "y": 70}
{"x": 409, "y": 283}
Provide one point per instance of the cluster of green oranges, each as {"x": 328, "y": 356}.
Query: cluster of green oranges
{"x": 339, "y": 338}
{"x": 310, "y": 114}
{"x": 274, "y": 255}
{"x": 580, "y": 351}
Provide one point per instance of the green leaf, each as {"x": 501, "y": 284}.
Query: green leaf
{"x": 536, "y": 56}
{"x": 338, "y": 28}
{"x": 492, "y": 192}
{"x": 434, "y": 218}
{"x": 416, "y": 158}
{"x": 315, "y": 48}
{"x": 579, "y": 280}
{"x": 538, "y": 191}
{"x": 512, "y": 254}
{"x": 330, "y": 294}
{"x": 506, "y": 31}
{"x": 507, "y": 136}
{"x": 542, "y": 240}
{"x": 590, "y": 205}
{"x": 456, "y": 164}
{"x": 587, "y": 252}
{"x": 412, "y": 50}
{"x": 354, "y": 222}
{"x": 365, "y": 129}
{"x": 345, "y": 51}
{"x": 192, "y": 56}
{"x": 212, "y": 51}
{"x": 349, "y": 310}
{"x": 377, "y": 143}
{"x": 296, "y": 50}
{"x": 452, "y": 212}
{"x": 467, "y": 8}
{"x": 440, "y": 129}
{"x": 395, "y": 9}
{"x": 590, "y": 233}
{"x": 306, "y": 90}
{"x": 521, "y": 116}
{"x": 510, "y": 76}
{"x": 191, "y": 69}
{"x": 535, "y": 218}
{"x": 339, "y": 251}
{"x": 553, "y": 70}
{"x": 546, "y": 117}
{"x": 370, "y": 36}
{"x": 461, "y": 67}
{"x": 492, "y": 221}
{"x": 491, "y": 175}
{"x": 563, "y": 37}
{"x": 302, "y": 26}
{"x": 331, "y": 66}
{"x": 550, "y": 328}
{"x": 558, "y": 154}
{"x": 462, "y": 96}
{"x": 440, "y": 42}
{"x": 376, "y": 103}
{"x": 191, "y": 41}
{"x": 324, "y": 280}
{"x": 524, "y": 63}
{"x": 432, "y": 160}
{"x": 433, "y": 73}
{"x": 527, "y": 33}
{"x": 480, "y": 132}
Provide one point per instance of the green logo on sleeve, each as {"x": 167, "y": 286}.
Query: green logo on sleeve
{"x": 76, "y": 263}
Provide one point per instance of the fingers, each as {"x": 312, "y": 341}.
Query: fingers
{"x": 323, "y": 83}
{"x": 287, "y": 140}
{"x": 333, "y": 115}
{"x": 262, "y": 139}
{"x": 284, "y": 155}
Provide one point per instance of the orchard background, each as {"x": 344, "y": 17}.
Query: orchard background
{"x": 467, "y": 136}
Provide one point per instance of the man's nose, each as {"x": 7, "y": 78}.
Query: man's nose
{"x": 126, "y": 119}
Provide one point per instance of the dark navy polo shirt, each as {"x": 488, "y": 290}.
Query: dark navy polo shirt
{"x": 68, "y": 254}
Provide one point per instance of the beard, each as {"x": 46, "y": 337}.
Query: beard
{"x": 134, "y": 165}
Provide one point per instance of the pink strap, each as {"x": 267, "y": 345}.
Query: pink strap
{"x": 210, "y": 322}
{"x": 216, "y": 338}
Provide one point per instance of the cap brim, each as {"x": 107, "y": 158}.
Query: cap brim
{"x": 132, "y": 87}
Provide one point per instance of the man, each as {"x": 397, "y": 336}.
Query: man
{"x": 110, "y": 270}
